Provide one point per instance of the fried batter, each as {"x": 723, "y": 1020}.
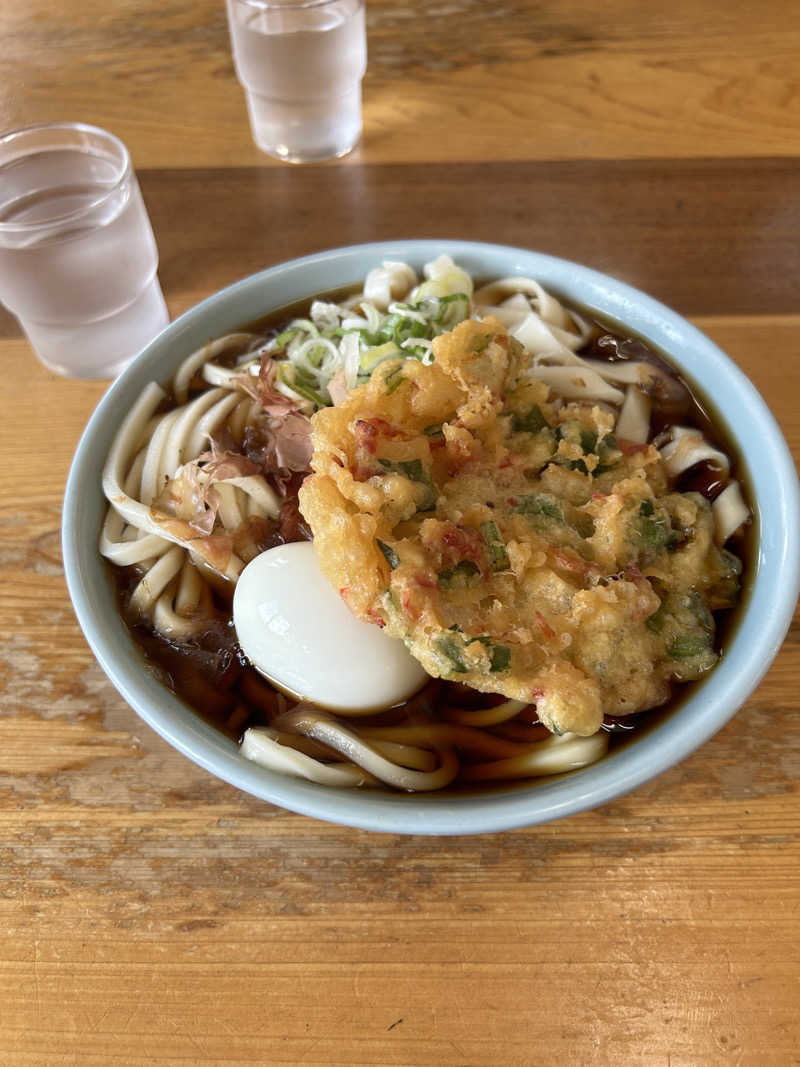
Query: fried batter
{"x": 510, "y": 541}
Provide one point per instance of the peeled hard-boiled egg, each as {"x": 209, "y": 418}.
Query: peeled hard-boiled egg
{"x": 296, "y": 630}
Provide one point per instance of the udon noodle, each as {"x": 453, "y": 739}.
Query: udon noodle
{"x": 204, "y": 476}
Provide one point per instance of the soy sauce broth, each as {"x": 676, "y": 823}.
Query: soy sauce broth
{"x": 189, "y": 672}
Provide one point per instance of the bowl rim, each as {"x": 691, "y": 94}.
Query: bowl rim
{"x": 774, "y": 592}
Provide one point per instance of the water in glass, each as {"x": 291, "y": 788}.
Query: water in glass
{"x": 78, "y": 260}
{"x": 301, "y": 66}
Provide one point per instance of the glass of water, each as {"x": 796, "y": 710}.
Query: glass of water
{"x": 78, "y": 259}
{"x": 300, "y": 63}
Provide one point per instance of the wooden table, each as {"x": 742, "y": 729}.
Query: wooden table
{"x": 150, "y": 914}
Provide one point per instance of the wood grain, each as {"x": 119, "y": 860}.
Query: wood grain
{"x": 712, "y": 236}
{"x": 535, "y": 80}
{"x": 151, "y": 914}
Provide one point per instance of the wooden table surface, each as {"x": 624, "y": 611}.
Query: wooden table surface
{"x": 150, "y": 914}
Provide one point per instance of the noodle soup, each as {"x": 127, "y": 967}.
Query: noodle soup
{"x": 204, "y": 480}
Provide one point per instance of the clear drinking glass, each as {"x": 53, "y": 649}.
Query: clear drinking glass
{"x": 78, "y": 258}
{"x": 300, "y": 63}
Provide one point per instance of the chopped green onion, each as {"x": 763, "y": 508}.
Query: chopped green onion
{"x": 450, "y": 648}
{"x": 497, "y": 549}
{"x": 393, "y": 380}
{"x": 389, "y": 553}
{"x": 588, "y": 440}
{"x": 459, "y": 577}
{"x": 685, "y": 646}
{"x": 655, "y": 624}
{"x": 501, "y": 658}
{"x": 528, "y": 421}
{"x": 541, "y": 504}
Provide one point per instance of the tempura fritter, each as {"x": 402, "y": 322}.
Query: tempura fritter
{"x": 509, "y": 539}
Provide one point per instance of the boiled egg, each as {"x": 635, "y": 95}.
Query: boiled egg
{"x": 296, "y": 630}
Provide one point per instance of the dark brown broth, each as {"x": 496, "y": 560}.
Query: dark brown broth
{"x": 211, "y": 674}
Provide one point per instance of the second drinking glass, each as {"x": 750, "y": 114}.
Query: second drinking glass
{"x": 300, "y": 63}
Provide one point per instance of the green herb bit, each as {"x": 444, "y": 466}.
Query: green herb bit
{"x": 686, "y": 646}
{"x": 480, "y": 343}
{"x": 450, "y": 648}
{"x": 411, "y": 468}
{"x": 501, "y": 658}
{"x": 655, "y": 624}
{"x": 393, "y": 380}
{"x": 528, "y": 421}
{"x": 399, "y": 328}
{"x": 578, "y": 465}
{"x": 543, "y": 505}
{"x": 732, "y": 565}
{"x": 500, "y": 655}
{"x": 497, "y": 549}
{"x": 700, "y": 610}
{"x": 389, "y": 553}
{"x": 284, "y": 338}
{"x": 298, "y": 385}
{"x": 608, "y": 453}
{"x": 449, "y": 313}
{"x": 459, "y": 577}
{"x": 415, "y": 472}
{"x": 652, "y": 527}
{"x": 588, "y": 440}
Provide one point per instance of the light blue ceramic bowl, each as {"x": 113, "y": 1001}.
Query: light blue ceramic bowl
{"x": 772, "y": 599}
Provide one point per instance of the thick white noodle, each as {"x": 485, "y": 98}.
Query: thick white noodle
{"x": 555, "y": 755}
{"x": 191, "y": 590}
{"x": 577, "y": 383}
{"x": 241, "y": 416}
{"x": 487, "y": 716}
{"x": 265, "y": 500}
{"x": 258, "y": 746}
{"x": 729, "y": 511}
{"x": 544, "y": 341}
{"x": 207, "y": 424}
{"x": 152, "y": 473}
{"x": 322, "y": 727}
{"x": 152, "y": 584}
{"x": 114, "y": 473}
{"x": 445, "y": 735}
{"x": 625, "y": 372}
{"x": 176, "y": 445}
{"x": 224, "y": 376}
{"x": 230, "y": 513}
{"x": 192, "y": 364}
{"x": 633, "y": 423}
{"x": 184, "y": 608}
{"x": 389, "y": 282}
{"x": 686, "y": 448}
{"x": 124, "y": 552}
{"x": 545, "y": 304}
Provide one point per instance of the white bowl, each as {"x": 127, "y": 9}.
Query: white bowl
{"x": 770, "y": 601}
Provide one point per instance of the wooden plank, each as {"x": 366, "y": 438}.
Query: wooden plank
{"x": 151, "y": 914}
{"x": 445, "y": 82}
{"x": 672, "y": 228}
